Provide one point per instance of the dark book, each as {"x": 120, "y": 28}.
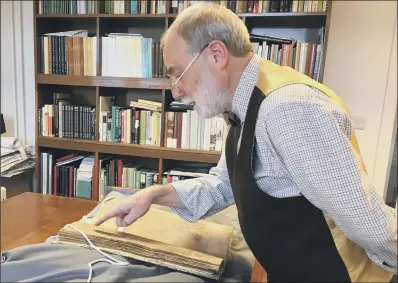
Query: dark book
{"x": 271, "y": 39}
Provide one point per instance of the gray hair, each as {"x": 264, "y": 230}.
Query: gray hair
{"x": 203, "y": 22}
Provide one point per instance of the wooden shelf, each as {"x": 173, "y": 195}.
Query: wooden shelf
{"x": 145, "y": 83}
{"x": 283, "y": 14}
{"x": 130, "y": 149}
{"x": 278, "y": 14}
{"x": 137, "y": 15}
{"x": 51, "y": 16}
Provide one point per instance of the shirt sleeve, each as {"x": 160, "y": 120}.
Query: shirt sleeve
{"x": 312, "y": 141}
{"x": 205, "y": 196}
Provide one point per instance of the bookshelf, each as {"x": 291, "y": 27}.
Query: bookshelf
{"x": 87, "y": 87}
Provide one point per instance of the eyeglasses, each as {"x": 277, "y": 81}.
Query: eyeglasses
{"x": 175, "y": 87}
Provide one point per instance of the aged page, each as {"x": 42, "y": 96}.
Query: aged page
{"x": 159, "y": 237}
{"x": 203, "y": 236}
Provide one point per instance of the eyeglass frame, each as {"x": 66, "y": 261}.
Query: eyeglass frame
{"x": 190, "y": 63}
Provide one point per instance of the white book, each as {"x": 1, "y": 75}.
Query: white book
{"x": 121, "y": 5}
{"x": 206, "y": 135}
{"x": 325, "y": 5}
{"x": 225, "y": 134}
{"x": 303, "y": 56}
{"x": 159, "y": 127}
{"x": 213, "y": 132}
{"x": 46, "y": 56}
{"x": 265, "y": 8}
{"x": 184, "y": 131}
{"x": 188, "y": 130}
{"x": 199, "y": 144}
{"x": 94, "y": 54}
{"x": 104, "y": 52}
{"x": 154, "y": 119}
{"x": 101, "y": 192}
{"x": 104, "y": 116}
{"x": 194, "y": 131}
{"x": 260, "y": 50}
{"x": 314, "y": 6}
{"x": 219, "y": 134}
{"x": 295, "y": 6}
{"x": 306, "y": 4}
{"x": 50, "y": 174}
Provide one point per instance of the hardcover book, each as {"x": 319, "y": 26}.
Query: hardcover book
{"x": 159, "y": 237}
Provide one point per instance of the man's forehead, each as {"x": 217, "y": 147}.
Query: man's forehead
{"x": 174, "y": 40}
{"x": 174, "y": 51}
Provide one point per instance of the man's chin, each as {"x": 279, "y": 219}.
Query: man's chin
{"x": 204, "y": 114}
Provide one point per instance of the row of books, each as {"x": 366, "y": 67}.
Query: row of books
{"x": 126, "y": 177}
{"x": 68, "y": 55}
{"x": 66, "y": 175}
{"x": 118, "y": 173}
{"x": 123, "y": 55}
{"x": 138, "y": 6}
{"x": 140, "y": 123}
{"x": 273, "y": 6}
{"x": 177, "y": 6}
{"x": 131, "y": 55}
{"x": 129, "y": 125}
{"x": 187, "y": 130}
{"x": 304, "y": 57}
{"x": 71, "y": 175}
{"x": 64, "y": 120}
{"x": 68, "y": 6}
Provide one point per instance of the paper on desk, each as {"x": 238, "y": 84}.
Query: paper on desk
{"x": 5, "y": 151}
{"x": 18, "y": 169}
{"x": 15, "y": 158}
{"x": 10, "y": 143}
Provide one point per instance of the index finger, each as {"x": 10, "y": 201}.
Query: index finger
{"x": 112, "y": 213}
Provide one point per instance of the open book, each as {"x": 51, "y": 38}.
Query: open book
{"x": 159, "y": 237}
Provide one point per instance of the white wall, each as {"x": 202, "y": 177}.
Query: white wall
{"x": 361, "y": 67}
{"x": 17, "y": 74}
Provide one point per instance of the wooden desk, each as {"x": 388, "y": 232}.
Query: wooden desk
{"x": 31, "y": 218}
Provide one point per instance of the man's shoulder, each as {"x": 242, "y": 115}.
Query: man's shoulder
{"x": 299, "y": 95}
{"x": 296, "y": 103}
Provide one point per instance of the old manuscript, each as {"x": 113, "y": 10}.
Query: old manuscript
{"x": 159, "y": 237}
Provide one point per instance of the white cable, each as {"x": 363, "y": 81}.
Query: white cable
{"x": 110, "y": 259}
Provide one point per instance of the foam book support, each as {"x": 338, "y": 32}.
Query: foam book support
{"x": 159, "y": 237}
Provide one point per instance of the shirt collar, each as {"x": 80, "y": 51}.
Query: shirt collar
{"x": 245, "y": 88}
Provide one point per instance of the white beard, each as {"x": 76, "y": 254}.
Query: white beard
{"x": 209, "y": 100}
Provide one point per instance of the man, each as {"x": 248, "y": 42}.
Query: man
{"x": 291, "y": 163}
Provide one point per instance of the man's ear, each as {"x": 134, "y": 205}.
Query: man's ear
{"x": 219, "y": 54}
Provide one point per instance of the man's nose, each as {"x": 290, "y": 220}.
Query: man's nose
{"x": 177, "y": 93}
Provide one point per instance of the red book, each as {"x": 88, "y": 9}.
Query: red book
{"x": 179, "y": 129}
{"x": 119, "y": 173}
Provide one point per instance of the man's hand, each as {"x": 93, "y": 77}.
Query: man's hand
{"x": 130, "y": 210}
{"x": 138, "y": 204}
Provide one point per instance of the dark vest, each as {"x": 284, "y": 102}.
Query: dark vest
{"x": 288, "y": 236}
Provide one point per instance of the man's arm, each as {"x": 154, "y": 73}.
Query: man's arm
{"x": 191, "y": 199}
{"x": 313, "y": 145}
{"x": 205, "y": 196}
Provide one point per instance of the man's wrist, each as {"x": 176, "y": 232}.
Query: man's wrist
{"x": 160, "y": 193}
